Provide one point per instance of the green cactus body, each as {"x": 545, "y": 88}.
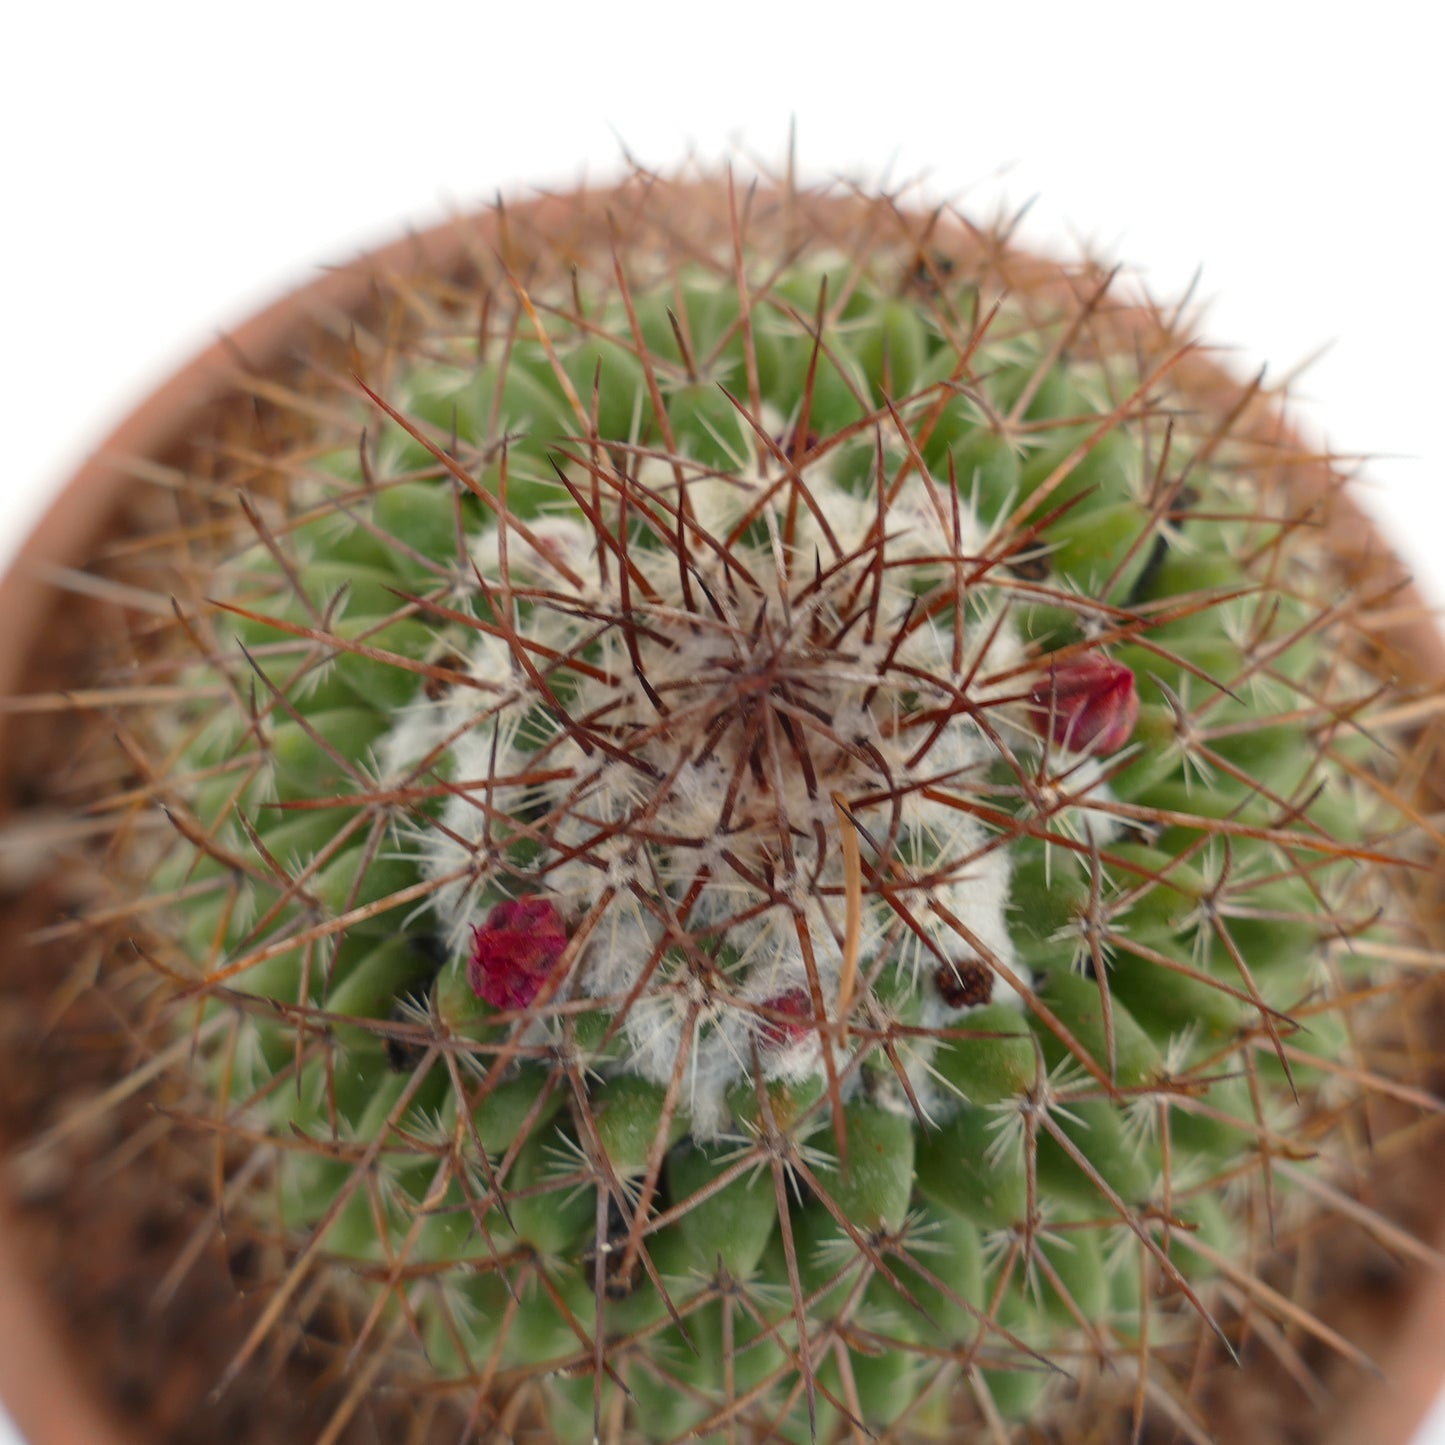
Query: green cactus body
{"x": 676, "y": 862}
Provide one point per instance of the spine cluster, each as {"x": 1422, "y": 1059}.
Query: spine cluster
{"x": 699, "y": 708}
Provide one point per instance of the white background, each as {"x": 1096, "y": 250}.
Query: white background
{"x": 169, "y": 167}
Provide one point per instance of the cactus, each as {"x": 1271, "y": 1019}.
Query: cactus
{"x": 775, "y": 827}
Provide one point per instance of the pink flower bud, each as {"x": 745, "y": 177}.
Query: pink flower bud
{"x": 515, "y": 951}
{"x": 787, "y": 1019}
{"x": 1085, "y": 703}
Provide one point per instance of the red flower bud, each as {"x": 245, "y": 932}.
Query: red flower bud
{"x": 1085, "y": 703}
{"x": 515, "y": 951}
{"x": 796, "y": 1021}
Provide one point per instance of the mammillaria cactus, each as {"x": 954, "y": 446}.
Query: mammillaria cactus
{"x": 770, "y": 821}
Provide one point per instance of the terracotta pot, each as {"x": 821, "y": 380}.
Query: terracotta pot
{"x": 42, "y": 1373}
{"x": 40, "y": 1381}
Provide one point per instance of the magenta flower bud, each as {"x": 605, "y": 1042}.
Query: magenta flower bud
{"x": 515, "y": 951}
{"x": 1085, "y": 703}
{"x": 788, "y": 1018}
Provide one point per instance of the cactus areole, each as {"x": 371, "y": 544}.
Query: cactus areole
{"x": 769, "y": 823}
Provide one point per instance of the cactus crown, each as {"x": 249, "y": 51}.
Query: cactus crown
{"x": 774, "y": 823}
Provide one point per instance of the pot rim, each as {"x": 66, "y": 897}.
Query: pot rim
{"x": 39, "y": 1385}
